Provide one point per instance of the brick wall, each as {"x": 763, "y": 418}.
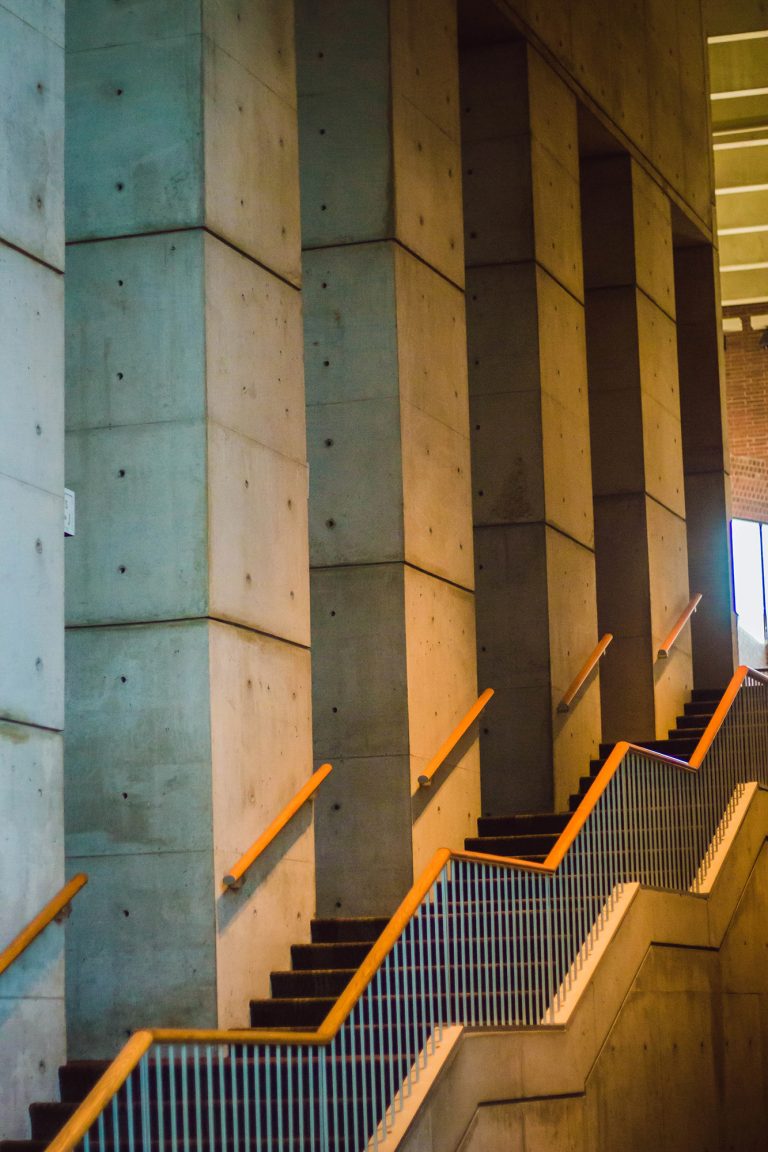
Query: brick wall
{"x": 746, "y": 373}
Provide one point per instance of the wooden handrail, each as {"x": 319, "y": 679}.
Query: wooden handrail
{"x": 234, "y": 878}
{"x": 445, "y": 749}
{"x": 680, "y": 623}
{"x": 129, "y": 1056}
{"x": 581, "y": 676}
{"x": 52, "y": 909}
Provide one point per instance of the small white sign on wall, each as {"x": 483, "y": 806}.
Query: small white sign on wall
{"x": 69, "y": 512}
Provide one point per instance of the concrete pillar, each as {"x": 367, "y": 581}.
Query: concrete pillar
{"x": 637, "y": 463}
{"x": 705, "y": 462}
{"x": 187, "y": 586}
{"x": 32, "y": 1026}
{"x": 532, "y": 496}
{"x": 390, "y": 524}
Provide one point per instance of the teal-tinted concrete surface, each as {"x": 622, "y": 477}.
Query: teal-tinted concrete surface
{"x": 31, "y": 135}
{"x": 134, "y": 138}
{"x": 138, "y": 740}
{"x": 31, "y": 350}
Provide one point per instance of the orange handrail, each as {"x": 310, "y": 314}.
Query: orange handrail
{"x": 54, "y": 908}
{"x": 129, "y": 1056}
{"x": 680, "y": 623}
{"x": 234, "y": 878}
{"x": 581, "y": 676}
{"x": 445, "y": 749}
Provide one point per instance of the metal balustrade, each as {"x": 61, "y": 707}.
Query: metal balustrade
{"x": 480, "y": 941}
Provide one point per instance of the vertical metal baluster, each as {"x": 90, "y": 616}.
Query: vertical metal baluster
{"x": 495, "y": 887}
{"x": 198, "y": 1095}
{"x": 279, "y": 1095}
{"x": 115, "y": 1123}
{"x": 515, "y": 883}
{"x": 371, "y": 1045}
{"x": 340, "y": 1102}
{"x": 389, "y": 967}
{"x": 462, "y": 909}
{"x": 310, "y": 1065}
{"x": 363, "y": 1067}
{"x": 484, "y": 984}
{"x": 268, "y": 1089}
{"x": 325, "y": 1143}
{"x": 530, "y": 1013}
{"x": 260, "y": 1060}
{"x": 474, "y": 911}
{"x": 233, "y": 1091}
{"x": 435, "y": 975}
{"x": 101, "y": 1132}
{"x": 383, "y": 1071}
{"x": 129, "y": 1112}
{"x": 300, "y": 1078}
{"x": 146, "y": 1127}
{"x": 222, "y": 1097}
{"x": 420, "y": 981}
{"x": 352, "y": 1018}
{"x": 245, "y": 1054}
{"x": 506, "y": 928}
{"x": 289, "y": 1053}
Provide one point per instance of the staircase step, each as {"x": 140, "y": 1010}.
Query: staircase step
{"x": 309, "y": 984}
{"x": 709, "y": 695}
{"x": 351, "y": 930}
{"x": 48, "y": 1118}
{"x": 325, "y": 956}
{"x": 23, "y": 1145}
{"x": 77, "y": 1077}
{"x": 526, "y": 824}
{"x": 511, "y": 845}
{"x": 300, "y": 1013}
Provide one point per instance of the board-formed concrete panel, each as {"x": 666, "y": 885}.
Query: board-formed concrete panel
{"x": 424, "y": 49}
{"x": 31, "y": 137}
{"x": 503, "y": 348}
{"x": 32, "y": 581}
{"x": 363, "y": 837}
{"x": 254, "y": 375}
{"x": 94, "y": 24}
{"x": 33, "y": 1049}
{"x": 135, "y": 344}
{"x": 499, "y": 202}
{"x": 261, "y": 743}
{"x": 32, "y": 853}
{"x": 508, "y": 458}
{"x": 427, "y": 175}
{"x": 432, "y": 342}
{"x": 31, "y": 353}
{"x": 251, "y": 164}
{"x": 654, "y": 254}
{"x": 134, "y": 138}
{"x": 257, "y": 536}
{"x": 357, "y": 484}
{"x": 259, "y": 36}
{"x": 437, "y": 498}
{"x": 125, "y": 564}
{"x": 359, "y": 704}
{"x": 156, "y": 903}
{"x": 138, "y": 747}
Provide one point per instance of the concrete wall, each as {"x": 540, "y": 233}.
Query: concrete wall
{"x": 388, "y": 438}
{"x": 187, "y": 588}
{"x": 637, "y": 456}
{"x": 532, "y": 489}
{"x": 32, "y": 1031}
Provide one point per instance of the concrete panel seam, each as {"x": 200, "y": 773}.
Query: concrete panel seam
{"x": 220, "y": 48}
{"x": 390, "y": 563}
{"x": 190, "y": 620}
{"x": 543, "y": 523}
{"x": 28, "y": 724}
{"x": 175, "y": 231}
{"x": 532, "y": 263}
{"x": 38, "y": 31}
{"x": 30, "y": 255}
{"x": 384, "y": 240}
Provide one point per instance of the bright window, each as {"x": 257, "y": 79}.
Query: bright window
{"x": 749, "y": 541}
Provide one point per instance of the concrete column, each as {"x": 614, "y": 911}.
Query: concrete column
{"x": 390, "y": 524}
{"x": 532, "y": 495}
{"x": 705, "y": 462}
{"x": 187, "y": 586}
{"x": 32, "y": 1026}
{"x": 637, "y": 463}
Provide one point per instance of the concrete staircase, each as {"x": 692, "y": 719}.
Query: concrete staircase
{"x": 302, "y": 996}
{"x": 532, "y": 836}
